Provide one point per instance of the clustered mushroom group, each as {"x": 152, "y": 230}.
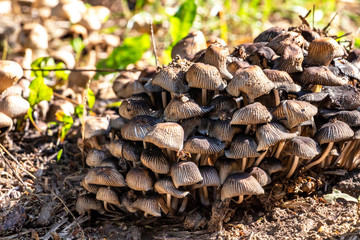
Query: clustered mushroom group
{"x": 213, "y": 125}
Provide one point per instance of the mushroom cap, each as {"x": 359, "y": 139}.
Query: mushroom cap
{"x": 116, "y": 148}
{"x": 96, "y": 126}
{"x": 242, "y": 147}
{"x": 154, "y": 159}
{"x": 334, "y": 131}
{"x": 347, "y": 68}
{"x": 95, "y": 157}
{"x": 6, "y": 123}
{"x": 322, "y": 76}
{"x": 235, "y": 65}
{"x": 250, "y": 80}
{"x": 205, "y": 76}
{"x": 239, "y": 184}
{"x": 354, "y": 57}
{"x": 139, "y": 179}
{"x": 116, "y": 122}
{"x": 131, "y": 108}
{"x": 316, "y": 97}
{"x": 225, "y": 167}
{"x": 166, "y": 135}
{"x": 58, "y": 105}
{"x": 303, "y": 147}
{"x": 131, "y": 151}
{"x": 254, "y": 113}
{"x": 78, "y": 80}
{"x": 191, "y": 125}
{"x": 166, "y": 186}
{"x": 260, "y": 175}
{"x": 294, "y": 112}
{"x": 182, "y": 108}
{"x": 352, "y": 118}
{"x": 223, "y": 102}
{"x": 210, "y": 177}
{"x": 138, "y": 127}
{"x": 92, "y": 188}
{"x": 107, "y": 194}
{"x": 111, "y": 162}
{"x": 150, "y": 204}
{"x": 10, "y": 73}
{"x": 216, "y": 55}
{"x": 291, "y": 59}
{"x": 281, "y": 41}
{"x": 322, "y": 50}
{"x": 203, "y": 145}
{"x": 88, "y": 202}
{"x": 268, "y": 34}
{"x": 185, "y": 173}
{"x": 343, "y": 97}
{"x": 189, "y": 45}
{"x": 272, "y": 133}
{"x": 282, "y": 80}
{"x": 222, "y": 130}
{"x": 125, "y": 85}
{"x": 14, "y": 106}
{"x": 105, "y": 176}
{"x": 309, "y": 34}
{"x": 172, "y": 79}
{"x": 272, "y": 165}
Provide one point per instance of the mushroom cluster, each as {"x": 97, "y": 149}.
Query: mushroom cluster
{"x": 215, "y": 125}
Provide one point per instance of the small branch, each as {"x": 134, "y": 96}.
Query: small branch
{"x": 313, "y": 18}
{"x": 153, "y": 43}
{"x": 79, "y": 70}
{"x": 328, "y": 25}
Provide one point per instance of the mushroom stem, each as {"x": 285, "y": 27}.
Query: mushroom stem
{"x": 197, "y": 158}
{"x": 241, "y": 198}
{"x": 163, "y": 99}
{"x": 317, "y": 88}
{"x": 277, "y": 97}
{"x": 247, "y": 130}
{"x": 183, "y": 204}
{"x": 204, "y": 196}
{"x": 156, "y": 176}
{"x": 168, "y": 200}
{"x": 169, "y": 155}
{"x": 204, "y": 160}
{"x": 323, "y": 156}
{"x": 250, "y": 162}
{"x": 295, "y": 162}
{"x": 203, "y": 96}
{"x": 245, "y": 100}
{"x": 279, "y": 149}
{"x": 174, "y": 204}
{"x": 243, "y": 164}
{"x": 340, "y": 159}
{"x": 260, "y": 158}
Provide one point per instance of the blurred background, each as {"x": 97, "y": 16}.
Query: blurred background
{"x": 71, "y": 25}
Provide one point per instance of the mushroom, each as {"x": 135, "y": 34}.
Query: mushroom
{"x": 206, "y": 77}
{"x": 131, "y": 108}
{"x": 272, "y": 165}
{"x": 92, "y": 188}
{"x": 126, "y": 84}
{"x": 95, "y": 157}
{"x": 152, "y": 205}
{"x": 14, "y": 106}
{"x": 242, "y": 147}
{"x": 96, "y": 127}
{"x": 153, "y": 158}
{"x": 268, "y": 34}
{"x": 252, "y": 114}
{"x": 108, "y": 195}
{"x": 86, "y": 203}
{"x": 216, "y": 55}
{"x": 139, "y": 179}
{"x": 10, "y": 73}
{"x": 260, "y": 175}
{"x": 221, "y": 129}
{"x": 6, "y": 124}
{"x": 330, "y": 133}
{"x": 203, "y": 146}
{"x": 137, "y": 128}
{"x": 116, "y": 148}
{"x": 240, "y": 184}
{"x": 59, "y": 105}
{"x": 322, "y": 51}
{"x": 225, "y": 167}
{"x": 210, "y": 179}
{"x": 189, "y": 45}
{"x": 281, "y": 41}
{"x": 105, "y": 176}
{"x": 300, "y": 148}
{"x": 354, "y": 57}
{"x": 290, "y": 60}
{"x": 221, "y": 103}
{"x": 131, "y": 152}
{"x": 166, "y": 186}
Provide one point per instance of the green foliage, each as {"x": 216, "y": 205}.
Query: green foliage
{"x": 79, "y": 110}
{"x": 129, "y": 52}
{"x": 48, "y": 63}
{"x": 77, "y": 44}
{"x": 66, "y": 122}
{"x": 39, "y": 91}
{"x": 182, "y": 20}
{"x": 331, "y": 198}
{"x": 357, "y": 42}
{"x": 90, "y": 98}
{"x": 58, "y": 155}
{"x": 114, "y": 105}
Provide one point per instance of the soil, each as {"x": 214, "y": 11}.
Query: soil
{"x": 291, "y": 209}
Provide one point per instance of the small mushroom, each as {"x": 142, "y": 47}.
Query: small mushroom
{"x": 6, "y": 124}
{"x": 86, "y": 203}
{"x": 108, "y": 195}
{"x": 166, "y": 186}
{"x": 105, "y": 176}
{"x": 10, "y": 73}
{"x": 139, "y": 179}
{"x": 131, "y": 108}
{"x": 137, "y": 128}
{"x": 322, "y": 51}
{"x": 290, "y": 60}
{"x": 216, "y": 55}
{"x": 210, "y": 179}
{"x": 153, "y": 158}
{"x": 152, "y": 205}
{"x": 225, "y": 167}
{"x": 116, "y": 148}
{"x": 260, "y": 175}
{"x": 268, "y": 34}
{"x": 272, "y": 165}
{"x": 14, "y": 106}
{"x": 189, "y": 45}
{"x": 95, "y": 157}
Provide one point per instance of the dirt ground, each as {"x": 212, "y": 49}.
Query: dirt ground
{"x": 45, "y": 209}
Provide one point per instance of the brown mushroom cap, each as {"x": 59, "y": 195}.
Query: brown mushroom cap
{"x": 92, "y": 188}
{"x": 203, "y": 145}
{"x": 96, "y": 126}
{"x": 281, "y": 41}
{"x": 88, "y": 202}
{"x": 221, "y": 103}
{"x": 166, "y": 186}
{"x": 137, "y": 128}
{"x": 272, "y": 165}
{"x": 303, "y": 147}
{"x": 139, "y": 179}
{"x": 116, "y": 148}
{"x": 322, "y": 50}
{"x": 131, "y": 151}
{"x": 354, "y": 57}
{"x": 250, "y": 80}
{"x": 242, "y": 147}
{"x": 108, "y": 195}
{"x": 291, "y": 59}
{"x": 334, "y": 131}
{"x": 216, "y": 55}
{"x": 322, "y": 76}
{"x": 272, "y": 133}
{"x": 260, "y": 175}
{"x": 239, "y": 184}
{"x": 294, "y": 112}
{"x": 78, "y": 80}
{"x": 189, "y": 45}
{"x": 154, "y": 159}
{"x": 235, "y": 65}
{"x": 347, "y": 68}
{"x": 14, "y": 106}
{"x": 131, "y": 108}
{"x": 210, "y": 177}
{"x": 222, "y": 130}
{"x": 150, "y": 205}
{"x": 105, "y": 176}
{"x": 254, "y": 113}
{"x": 225, "y": 167}
{"x": 59, "y": 105}
{"x": 94, "y": 157}
{"x": 282, "y": 80}
{"x": 182, "y": 108}
{"x": 166, "y": 135}
{"x": 185, "y": 173}
{"x": 10, "y": 73}
{"x": 268, "y": 34}
{"x": 205, "y": 76}
{"x": 6, "y": 123}
{"x": 352, "y": 118}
